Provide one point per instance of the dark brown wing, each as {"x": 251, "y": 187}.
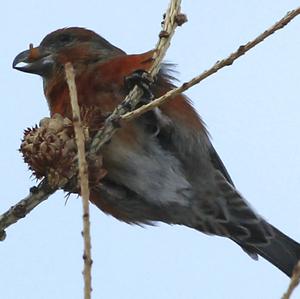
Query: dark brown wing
{"x": 218, "y": 164}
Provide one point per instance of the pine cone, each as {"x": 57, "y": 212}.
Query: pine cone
{"x": 50, "y": 151}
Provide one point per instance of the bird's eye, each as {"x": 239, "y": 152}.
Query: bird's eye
{"x": 65, "y": 38}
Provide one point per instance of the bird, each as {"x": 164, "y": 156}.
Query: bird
{"x": 162, "y": 166}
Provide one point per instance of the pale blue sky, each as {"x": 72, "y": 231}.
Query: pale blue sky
{"x": 251, "y": 110}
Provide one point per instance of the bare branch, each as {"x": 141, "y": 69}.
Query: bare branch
{"x": 295, "y": 279}
{"x": 36, "y": 196}
{"x": 170, "y": 23}
{"x": 83, "y": 178}
{"x": 216, "y": 67}
{"x": 132, "y": 99}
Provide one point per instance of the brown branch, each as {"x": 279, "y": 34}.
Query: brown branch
{"x": 170, "y": 23}
{"x": 83, "y": 178}
{"x": 295, "y": 279}
{"x": 36, "y": 196}
{"x": 132, "y": 99}
{"x": 216, "y": 67}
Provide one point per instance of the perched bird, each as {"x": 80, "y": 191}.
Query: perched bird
{"x": 161, "y": 166}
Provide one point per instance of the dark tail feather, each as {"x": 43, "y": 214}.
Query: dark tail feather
{"x": 283, "y": 252}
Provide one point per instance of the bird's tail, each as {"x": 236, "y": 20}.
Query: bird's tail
{"x": 283, "y": 252}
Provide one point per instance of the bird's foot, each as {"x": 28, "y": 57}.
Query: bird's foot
{"x": 142, "y": 79}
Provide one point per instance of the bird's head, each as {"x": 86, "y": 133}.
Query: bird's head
{"x": 77, "y": 45}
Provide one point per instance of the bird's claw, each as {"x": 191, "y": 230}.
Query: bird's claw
{"x": 142, "y": 79}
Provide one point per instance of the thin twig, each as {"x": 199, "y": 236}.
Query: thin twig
{"x": 216, "y": 67}
{"x": 295, "y": 279}
{"x": 83, "y": 178}
{"x": 170, "y": 23}
{"x": 36, "y": 196}
{"x": 132, "y": 99}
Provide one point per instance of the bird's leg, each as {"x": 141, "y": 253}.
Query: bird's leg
{"x": 152, "y": 120}
{"x": 142, "y": 79}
